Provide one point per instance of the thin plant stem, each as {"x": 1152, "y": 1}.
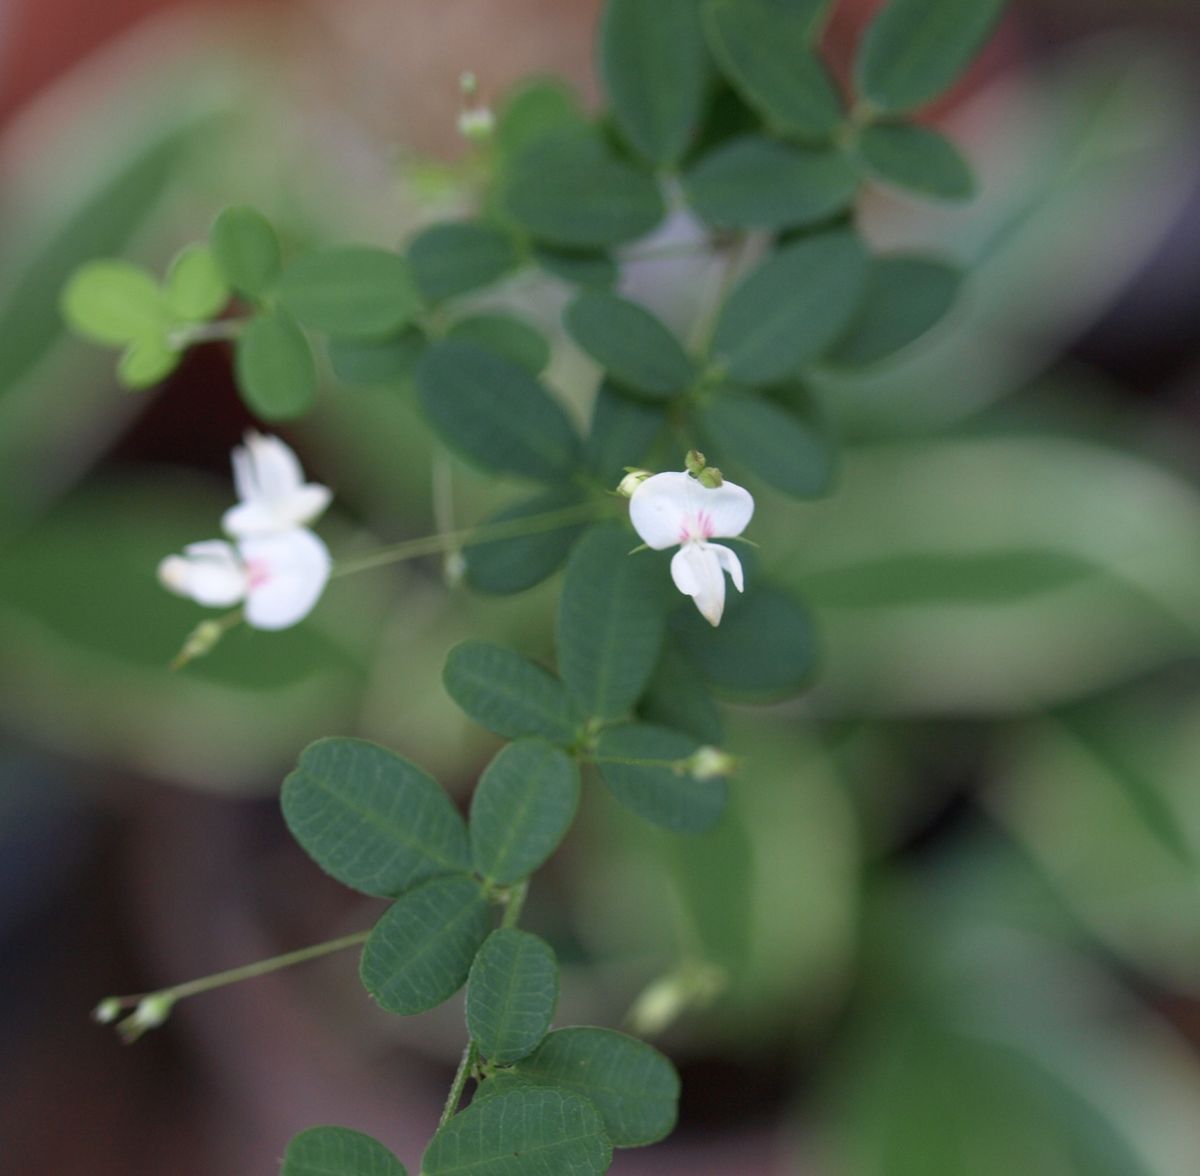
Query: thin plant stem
{"x": 516, "y": 901}
{"x": 465, "y": 1066}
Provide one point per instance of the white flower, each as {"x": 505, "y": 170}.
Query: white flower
{"x": 670, "y": 509}
{"x": 274, "y": 496}
{"x": 279, "y": 577}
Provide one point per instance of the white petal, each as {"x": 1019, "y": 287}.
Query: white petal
{"x": 275, "y": 470}
{"x": 209, "y": 573}
{"x": 658, "y": 509}
{"x": 287, "y": 574}
{"x": 672, "y": 508}
{"x": 729, "y": 506}
{"x": 268, "y": 516}
{"x": 270, "y": 483}
{"x": 731, "y": 563}
{"x": 696, "y": 570}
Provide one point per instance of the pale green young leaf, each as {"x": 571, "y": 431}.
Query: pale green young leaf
{"x": 373, "y": 820}
{"x": 460, "y": 256}
{"x": 246, "y": 249}
{"x": 420, "y": 951}
{"x": 501, "y": 567}
{"x": 757, "y": 183}
{"x": 905, "y": 297}
{"x": 146, "y": 361}
{"x": 512, "y": 993}
{"x": 195, "y": 289}
{"x": 354, "y": 291}
{"x": 766, "y": 51}
{"x": 495, "y": 412}
{"x": 633, "y": 1086}
{"x": 114, "y": 302}
{"x": 654, "y": 65}
{"x": 506, "y": 335}
{"x": 790, "y": 308}
{"x": 522, "y": 808}
{"x": 642, "y": 766}
{"x": 523, "y": 1131}
{"x": 275, "y": 369}
{"x": 786, "y": 449}
{"x": 633, "y": 346}
{"x": 915, "y": 49}
{"x": 508, "y": 694}
{"x": 610, "y": 622}
{"x": 916, "y": 158}
{"x": 338, "y": 1151}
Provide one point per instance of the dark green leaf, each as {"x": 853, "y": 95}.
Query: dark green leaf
{"x": 275, "y": 369}
{"x": 501, "y": 567}
{"x": 374, "y": 821}
{"x": 642, "y": 766}
{"x": 458, "y": 257}
{"x": 752, "y": 183}
{"x": 764, "y": 647}
{"x": 114, "y": 302}
{"x": 654, "y": 65}
{"x": 351, "y": 290}
{"x": 495, "y": 412}
{"x": 195, "y": 288}
{"x": 629, "y": 343}
{"x": 916, "y": 158}
{"x": 501, "y": 1082}
{"x": 522, "y": 809}
{"x": 420, "y": 952}
{"x": 524, "y": 1131}
{"x": 507, "y": 335}
{"x": 247, "y": 250}
{"x": 373, "y": 363}
{"x": 765, "y": 50}
{"x": 512, "y": 993}
{"x": 509, "y": 694}
{"x": 915, "y": 49}
{"x": 535, "y": 110}
{"x": 147, "y": 361}
{"x": 581, "y": 267}
{"x": 782, "y": 447}
{"x": 789, "y": 309}
{"x": 622, "y": 432}
{"x": 905, "y": 297}
{"x": 610, "y": 622}
{"x": 635, "y": 1088}
{"x": 338, "y": 1151}
{"x": 678, "y": 697}
{"x": 572, "y": 191}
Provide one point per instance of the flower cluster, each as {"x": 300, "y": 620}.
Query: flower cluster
{"x": 687, "y": 510}
{"x": 275, "y": 565}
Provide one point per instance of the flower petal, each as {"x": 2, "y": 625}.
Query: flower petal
{"x": 730, "y": 562}
{"x": 696, "y": 570}
{"x": 208, "y": 572}
{"x": 270, "y": 516}
{"x": 287, "y": 574}
{"x": 269, "y": 468}
{"x": 658, "y": 509}
{"x": 270, "y": 483}
{"x": 729, "y": 506}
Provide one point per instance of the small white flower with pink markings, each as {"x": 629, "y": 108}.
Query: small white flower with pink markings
{"x": 676, "y": 509}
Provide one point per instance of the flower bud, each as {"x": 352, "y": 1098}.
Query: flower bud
{"x": 151, "y": 1012}
{"x": 708, "y": 763}
{"x": 200, "y": 641}
{"x": 476, "y": 124}
{"x": 107, "y": 1011}
{"x": 631, "y": 481}
{"x": 711, "y": 477}
{"x": 666, "y": 999}
{"x": 695, "y": 462}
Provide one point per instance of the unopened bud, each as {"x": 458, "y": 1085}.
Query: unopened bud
{"x": 151, "y": 1012}
{"x": 468, "y": 83}
{"x": 107, "y": 1011}
{"x": 695, "y": 462}
{"x": 454, "y": 568}
{"x": 708, "y": 763}
{"x": 710, "y": 476}
{"x": 666, "y": 999}
{"x": 476, "y": 124}
{"x": 631, "y": 481}
{"x": 200, "y": 641}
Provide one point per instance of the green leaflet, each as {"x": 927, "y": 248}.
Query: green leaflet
{"x": 420, "y": 951}
{"x": 522, "y": 809}
{"x": 654, "y": 65}
{"x": 275, "y": 370}
{"x": 916, "y": 158}
{"x": 373, "y": 820}
{"x": 460, "y": 256}
{"x": 338, "y": 1151}
{"x": 512, "y": 993}
{"x": 246, "y": 250}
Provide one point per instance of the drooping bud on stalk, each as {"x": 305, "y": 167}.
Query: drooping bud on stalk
{"x": 107, "y": 1011}
{"x": 631, "y": 481}
{"x": 708, "y": 763}
{"x": 150, "y": 1013}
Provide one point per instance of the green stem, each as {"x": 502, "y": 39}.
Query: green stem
{"x": 516, "y": 901}
{"x": 465, "y": 1066}
{"x": 451, "y": 540}
{"x": 206, "y": 332}
{"x": 248, "y": 971}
